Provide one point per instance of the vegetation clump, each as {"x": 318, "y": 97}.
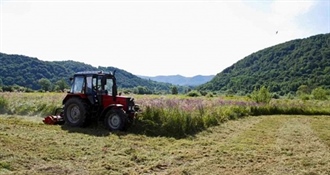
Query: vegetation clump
{"x": 193, "y": 93}
{"x": 319, "y": 94}
{"x": 262, "y": 95}
{"x": 3, "y": 104}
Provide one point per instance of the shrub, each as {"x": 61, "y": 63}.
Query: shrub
{"x": 304, "y": 97}
{"x": 303, "y": 90}
{"x": 29, "y": 90}
{"x": 7, "y": 89}
{"x": 230, "y": 93}
{"x": 3, "y": 104}
{"x": 203, "y": 93}
{"x": 262, "y": 95}
{"x": 193, "y": 94}
{"x": 319, "y": 94}
{"x": 209, "y": 95}
{"x": 211, "y": 119}
{"x": 276, "y": 96}
{"x": 290, "y": 96}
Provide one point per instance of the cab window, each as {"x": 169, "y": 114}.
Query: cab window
{"x": 108, "y": 85}
{"x": 78, "y": 83}
{"x": 89, "y": 88}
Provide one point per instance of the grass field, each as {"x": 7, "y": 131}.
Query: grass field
{"x": 276, "y": 144}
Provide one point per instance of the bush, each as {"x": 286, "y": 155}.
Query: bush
{"x": 262, "y": 95}
{"x": 303, "y": 90}
{"x": 203, "y": 93}
{"x": 319, "y": 94}
{"x": 209, "y": 95}
{"x": 304, "y": 97}
{"x": 29, "y": 90}
{"x": 193, "y": 94}
{"x": 7, "y": 89}
{"x": 276, "y": 96}
{"x": 3, "y": 104}
{"x": 290, "y": 96}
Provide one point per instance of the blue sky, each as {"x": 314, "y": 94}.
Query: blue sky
{"x": 156, "y": 37}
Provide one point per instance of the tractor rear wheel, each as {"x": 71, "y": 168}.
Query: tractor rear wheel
{"x": 75, "y": 112}
{"x": 115, "y": 120}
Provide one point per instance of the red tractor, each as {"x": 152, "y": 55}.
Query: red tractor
{"x": 93, "y": 96}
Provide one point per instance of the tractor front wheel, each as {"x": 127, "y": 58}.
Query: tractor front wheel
{"x": 115, "y": 120}
{"x": 75, "y": 112}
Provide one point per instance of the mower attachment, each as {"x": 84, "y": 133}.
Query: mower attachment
{"x": 56, "y": 119}
{"x": 53, "y": 120}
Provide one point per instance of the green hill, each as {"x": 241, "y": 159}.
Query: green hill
{"x": 282, "y": 68}
{"x": 26, "y": 71}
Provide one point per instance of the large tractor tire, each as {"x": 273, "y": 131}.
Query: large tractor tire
{"x": 75, "y": 112}
{"x": 115, "y": 120}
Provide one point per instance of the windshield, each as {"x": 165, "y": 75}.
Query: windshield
{"x": 77, "y": 86}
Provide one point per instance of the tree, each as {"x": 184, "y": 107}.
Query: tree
{"x": 193, "y": 93}
{"x": 174, "y": 90}
{"x": 303, "y": 89}
{"x": 45, "y": 84}
{"x": 262, "y": 95}
{"x": 61, "y": 85}
{"x": 319, "y": 93}
{"x": 142, "y": 90}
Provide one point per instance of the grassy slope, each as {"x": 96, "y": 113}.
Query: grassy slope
{"x": 253, "y": 145}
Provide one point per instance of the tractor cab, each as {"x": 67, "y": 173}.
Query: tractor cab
{"x": 89, "y": 82}
{"x": 94, "y": 84}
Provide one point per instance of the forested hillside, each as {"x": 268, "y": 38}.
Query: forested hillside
{"x": 281, "y": 68}
{"x": 26, "y": 71}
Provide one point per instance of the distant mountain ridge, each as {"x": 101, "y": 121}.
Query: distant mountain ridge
{"x": 180, "y": 80}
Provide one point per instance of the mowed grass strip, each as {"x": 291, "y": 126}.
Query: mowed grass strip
{"x": 321, "y": 127}
{"x": 251, "y": 145}
{"x": 32, "y": 147}
{"x": 247, "y": 151}
{"x": 300, "y": 150}
{"x": 274, "y": 145}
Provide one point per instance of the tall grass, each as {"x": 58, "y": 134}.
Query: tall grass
{"x": 3, "y": 104}
{"x": 173, "y": 116}
{"x": 292, "y": 107}
{"x": 182, "y": 116}
{"x": 31, "y": 104}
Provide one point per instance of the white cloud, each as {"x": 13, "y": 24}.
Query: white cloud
{"x": 291, "y": 9}
{"x": 284, "y": 14}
